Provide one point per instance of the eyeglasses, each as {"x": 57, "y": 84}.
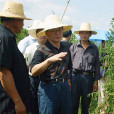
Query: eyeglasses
{"x": 55, "y": 30}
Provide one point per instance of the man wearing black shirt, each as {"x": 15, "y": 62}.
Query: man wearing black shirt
{"x": 51, "y": 61}
{"x": 15, "y": 95}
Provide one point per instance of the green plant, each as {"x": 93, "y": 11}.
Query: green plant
{"x": 109, "y": 86}
{"x": 73, "y": 39}
{"x": 108, "y": 104}
{"x": 21, "y": 35}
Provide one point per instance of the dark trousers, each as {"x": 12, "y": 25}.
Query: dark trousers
{"x": 34, "y": 82}
{"x": 81, "y": 86}
{"x": 54, "y": 98}
{"x": 12, "y": 111}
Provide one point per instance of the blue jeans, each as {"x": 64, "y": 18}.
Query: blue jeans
{"x": 54, "y": 98}
{"x": 34, "y": 82}
{"x": 81, "y": 86}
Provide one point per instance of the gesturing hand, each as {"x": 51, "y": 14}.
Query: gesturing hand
{"x": 57, "y": 57}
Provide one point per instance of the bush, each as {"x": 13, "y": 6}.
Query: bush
{"x": 108, "y": 104}
{"x": 21, "y": 35}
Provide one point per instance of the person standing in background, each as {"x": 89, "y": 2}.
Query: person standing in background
{"x": 65, "y": 40}
{"x": 27, "y": 41}
{"x": 86, "y": 68}
{"x": 67, "y": 35}
{"x": 29, "y": 53}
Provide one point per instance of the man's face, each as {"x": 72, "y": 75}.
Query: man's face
{"x": 41, "y": 39}
{"x": 55, "y": 35}
{"x": 18, "y": 25}
{"x": 84, "y": 35}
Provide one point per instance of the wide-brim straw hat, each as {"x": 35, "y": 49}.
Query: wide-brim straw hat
{"x": 13, "y": 9}
{"x": 52, "y": 22}
{"x": 85, "y": 27}
{"x": 37, "y": 24}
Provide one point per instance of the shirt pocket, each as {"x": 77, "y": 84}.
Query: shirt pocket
{"x": 91, "y": 59}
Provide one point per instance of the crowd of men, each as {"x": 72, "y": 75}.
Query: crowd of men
{"x": 45, "y": 73}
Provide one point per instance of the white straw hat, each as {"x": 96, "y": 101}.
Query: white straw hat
{"x": 85, "y": 27}
{"x": 37, "y": 24}
{"x": 52, "y": 22}
{"x": 13, "y": 9}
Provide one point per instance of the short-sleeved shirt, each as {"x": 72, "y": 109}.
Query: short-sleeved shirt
{"x": 12, "y": 58}
{"x": 57, "y": 69}
{"x": 24, "y": 43}
{"x": 85, "y": 59}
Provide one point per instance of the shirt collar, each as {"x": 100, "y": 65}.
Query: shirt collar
{"x": 9, "y": 31}
{"x": 90, "y": 44}
{"x": 50, "y": 46}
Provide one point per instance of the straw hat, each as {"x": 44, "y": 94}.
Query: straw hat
{"x": 13, "y": 9}
{"x": 85, "y": 27}
{"x": 37, "y": 24}
{"x": 52, "y": 22}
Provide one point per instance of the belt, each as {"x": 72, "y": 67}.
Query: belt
{"x": 83, "y": 72}
{"x": 58, "y": 80}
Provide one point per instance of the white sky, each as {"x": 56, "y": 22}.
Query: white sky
{"x": 98, "y": 13}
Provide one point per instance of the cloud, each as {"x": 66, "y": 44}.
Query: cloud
{"x": 74, "y": 15}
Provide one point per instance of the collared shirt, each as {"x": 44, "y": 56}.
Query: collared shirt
{"x": 85, "y": 59}
{"x": 57, "y": 69}
{"x": 27, "y": 41}
{"x": 12, "y": 58}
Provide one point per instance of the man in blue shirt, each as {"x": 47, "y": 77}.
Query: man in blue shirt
{"x": 27, "y": 41}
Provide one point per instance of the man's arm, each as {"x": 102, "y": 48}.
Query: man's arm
{"x": 97, "y": 72}
{"x": 41, "y": 67}
{"x": 8, "y": 84}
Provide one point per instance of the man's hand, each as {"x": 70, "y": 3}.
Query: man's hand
{"x": 8, "y": 84}
{"x": 57, "y": 57}
{"x": 41, "y": 67}
{"x": 95, "y": 86}
{"x": 20, "y": 108}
